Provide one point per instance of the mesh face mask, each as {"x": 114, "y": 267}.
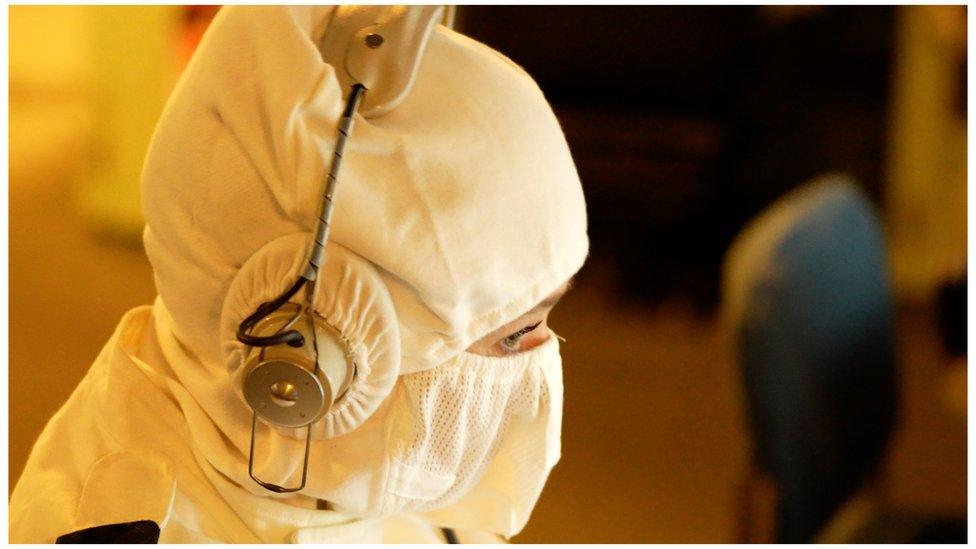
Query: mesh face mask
{"x": 472, "y": 424}
{"x": 498, "y": 493}
{"x": 458, "y": 413}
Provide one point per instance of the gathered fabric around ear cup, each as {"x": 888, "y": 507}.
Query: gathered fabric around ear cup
{"x": 352, "y": 299}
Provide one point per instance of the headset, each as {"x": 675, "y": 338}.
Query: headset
{"x": 293, "y": 373}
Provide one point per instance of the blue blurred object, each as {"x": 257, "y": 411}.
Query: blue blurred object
{"x": 808, "y": 301}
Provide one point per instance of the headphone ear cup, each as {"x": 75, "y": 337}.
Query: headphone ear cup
{"x": 281, "y": 383}
{"x": 356, "y": 325}
{"x": 285, "y": 394}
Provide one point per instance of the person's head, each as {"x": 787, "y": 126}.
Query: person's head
{"x": 459, "y": 222}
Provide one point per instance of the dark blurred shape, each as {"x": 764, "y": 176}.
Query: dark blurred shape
{"x": 685, "y": 121}
{"x": 892, "y": 527}
{"x": 809, "y": 308}
{"x": 951, "y": 307}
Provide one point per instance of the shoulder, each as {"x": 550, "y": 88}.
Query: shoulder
{"x": 126, "y": 496}
{"x": 83, "y": 471}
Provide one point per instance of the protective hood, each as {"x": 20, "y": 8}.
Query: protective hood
{"x": 465, "y": 197}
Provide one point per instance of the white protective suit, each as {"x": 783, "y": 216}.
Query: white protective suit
{"x": 456, "y": 213}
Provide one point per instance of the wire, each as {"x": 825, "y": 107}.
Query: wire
{"x": 291, "y": 337}
{"x": 317, "y": 252}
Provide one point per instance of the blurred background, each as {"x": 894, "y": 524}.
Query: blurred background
{"x": 769, "y": 340}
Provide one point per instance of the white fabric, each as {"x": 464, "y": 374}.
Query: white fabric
{"x": 455, "y": 214}
{"x": 450, "y": 423}
{"x": 152, "y": 471}
{"x": 524, "y": 450}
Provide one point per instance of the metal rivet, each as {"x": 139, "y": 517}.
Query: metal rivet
{"x": 374, "y": 41}
{"x": 284, "y": 394}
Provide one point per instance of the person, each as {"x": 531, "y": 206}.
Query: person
{"x": 458, "y": 224}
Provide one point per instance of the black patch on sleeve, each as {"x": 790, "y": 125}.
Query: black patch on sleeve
{"x": 140, "y": 531}
{"x": 449, "y": 535}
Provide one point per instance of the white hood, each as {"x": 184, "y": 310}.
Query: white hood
{"x": 465, "y": 197}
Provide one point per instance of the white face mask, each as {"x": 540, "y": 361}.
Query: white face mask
{"x": 470, "y": 443}
{"x": 450, "y": 423}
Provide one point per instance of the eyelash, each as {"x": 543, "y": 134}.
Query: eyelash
{"x": 510, "y": 342}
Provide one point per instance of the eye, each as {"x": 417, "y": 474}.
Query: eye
{"x": 510, "y": 343}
